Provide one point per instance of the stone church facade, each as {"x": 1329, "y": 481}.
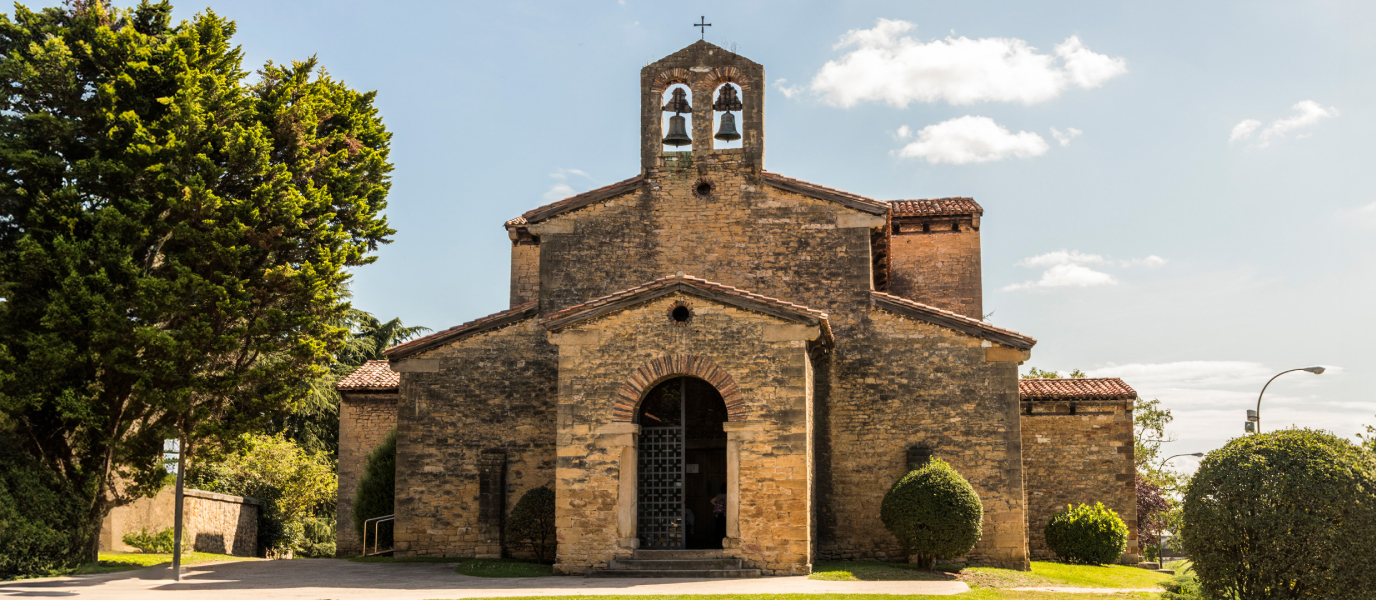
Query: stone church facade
{"x": 713, "y": 356}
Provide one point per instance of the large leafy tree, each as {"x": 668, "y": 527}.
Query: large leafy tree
{"x": 174, "y": 237}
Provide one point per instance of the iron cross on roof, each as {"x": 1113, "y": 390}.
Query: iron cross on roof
{"x": 702, "y": 22}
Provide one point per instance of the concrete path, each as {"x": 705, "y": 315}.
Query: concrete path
{"x": 1082, "y": 590}
{"x": 343, "y": 580}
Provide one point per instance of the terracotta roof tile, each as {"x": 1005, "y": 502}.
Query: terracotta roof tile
{"x": 371, "y": 376}
{"x": 855, "y": 201}
{"x": 577, "y": 201}
{"x": 491, "y": 321}
{"x": 517, "y": 222}
{"x": 952, "y": 320}
{"x": 572, "y": 313}
{"x": 1103, "y": 388}
{"x": 935, "y": 207}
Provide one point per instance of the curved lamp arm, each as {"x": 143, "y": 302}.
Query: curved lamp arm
{"x": 1314, "y": 370}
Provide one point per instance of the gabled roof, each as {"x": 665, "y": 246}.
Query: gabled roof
{"x": 695, "y": 48}
{"x": 950, "y": 320}
{"x": 371, "y": 376}
{"x": 822, "y": 192}
{"x": 576, "y": 202}
{"x": 935, "y": 207}
{"x": 1102, "y": 388}
{"x": 696, "y": 286}
{"x": 453, "y": 334}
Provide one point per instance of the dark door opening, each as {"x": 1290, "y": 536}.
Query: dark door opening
{"x": 682, "y": 466}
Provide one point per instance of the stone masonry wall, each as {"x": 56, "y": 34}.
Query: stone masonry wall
{"x": 525, "y": 271}
{"x": 940, "y": 268}
{"x": 1084, "y": 456}
{"x": 900, "y": 383}
{"x": 365, "y": 418}
{"x": 769, "y": 369}
{"x": 494, "y": 393}
{"x": 218, "y": 523}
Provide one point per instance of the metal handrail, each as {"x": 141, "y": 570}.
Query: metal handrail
{"x": 377, "y": 521}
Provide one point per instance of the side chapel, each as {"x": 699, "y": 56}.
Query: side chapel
{"x": 711, "y": 361}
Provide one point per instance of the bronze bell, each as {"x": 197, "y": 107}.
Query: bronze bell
{"x": 678, "y": 133}
{"x": 727, "y": 132}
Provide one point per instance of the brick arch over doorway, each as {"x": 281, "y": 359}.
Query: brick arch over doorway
{"x": 653, "y": 372}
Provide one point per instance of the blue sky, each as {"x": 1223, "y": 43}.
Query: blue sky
{"x": 1201, "y": 217}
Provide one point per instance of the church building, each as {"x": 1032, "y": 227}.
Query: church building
{"x": 714, "y": 364}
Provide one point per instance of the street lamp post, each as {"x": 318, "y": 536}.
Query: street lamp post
{"x": 1161, "y": 544}
{"x": 1314, "y": 370}
{"x": 1168, "y": 458}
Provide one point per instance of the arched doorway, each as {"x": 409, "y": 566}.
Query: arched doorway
{"x": 682, "y": 466}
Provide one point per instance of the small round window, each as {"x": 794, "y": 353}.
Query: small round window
{"x": 680, "y": 314}
{"x": 703, "y": 188}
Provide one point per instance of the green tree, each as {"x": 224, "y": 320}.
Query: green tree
{"x": 174, "y": 238}
{"x": 1284, "y": 514}
{"x": 1149, "y": 424}
{"x": 1368, "y": 439}
{"x": 293, "y": 484}
{"x": 934, "y": 512}
{"x": 376, "y": 493}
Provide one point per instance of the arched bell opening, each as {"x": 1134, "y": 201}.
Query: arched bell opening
{"x": 677, "y": 120}
{"x": 726, "y": 117}
{"x": 681, "y": 499}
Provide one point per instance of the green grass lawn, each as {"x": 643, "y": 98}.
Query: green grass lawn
{"x": 1042, "y": 574}
{"x": 502, "y": 567}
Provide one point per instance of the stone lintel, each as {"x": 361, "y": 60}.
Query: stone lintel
{"x": 415, "y": 365}
{"x": 551, "y": 226}
{"x": 575, "y": 338}
{"x": 859, "y": 220}
{"x": 791, "y": 332}
{"x": 1006, "y": 354}
{"x": 616, "y": 428}
{"x": 742, "y": 430}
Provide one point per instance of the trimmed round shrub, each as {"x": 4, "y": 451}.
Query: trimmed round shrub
{"x": 934, "y": 513}
{"x": 1286, "y": 514}
{"x": 1091, "y": 535}
{"x": 377, "y": 492}
{"x": 530, "y": 526}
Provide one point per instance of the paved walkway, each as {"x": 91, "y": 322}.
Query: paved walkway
{"x": 344, "y": 580}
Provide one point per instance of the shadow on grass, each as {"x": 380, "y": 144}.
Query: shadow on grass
{"x": 502, "y": 567}
{"x": 874, "y": 571}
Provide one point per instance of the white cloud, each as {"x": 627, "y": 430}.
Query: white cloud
{"x": 1064, "y": 138}
{"x": 971, "y": 139}
{"x": 904, "y": 132}
{"x": 1191, "y": 374}
{"x": 1366, "y": 216}
{"x": 787, "y": 90}
{"x": 1243, "y": 130}
{"x": 1308, "y": 112}
{"x": 884, "y": 67}
{"x": 1066, "y": 268}
{"x": 561, "y": 188}
{"x": 1065, "y": 276}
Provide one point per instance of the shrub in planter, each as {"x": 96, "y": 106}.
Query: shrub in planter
{"x": 376, "y": 494}
{"x": 1092, "y": 535}
{"x": 1286, "y": 514}
{"x": 530, "y": 526}
{"x": 934, "y": 513}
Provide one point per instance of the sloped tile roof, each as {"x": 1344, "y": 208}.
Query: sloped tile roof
{"x": 575, "y": 202}
{"x": 935, "y": 207}
{"x": 492, "y": 321}
{"x": 690, "y": 284}
{"x": 948, "y": 319}
{"x": 822, "y": 192}
{"x": 371, "y": 376}
{"x": 1102, "y": 388}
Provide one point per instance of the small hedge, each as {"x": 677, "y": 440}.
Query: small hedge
{"x": 934, "y": 513}
{"x": 42, "y": 520}
{"x": 376, "y": 494}
{"x": 160, "y": 542}
{"x": 1091, "y": 535}
{"x": 530, "y": 526}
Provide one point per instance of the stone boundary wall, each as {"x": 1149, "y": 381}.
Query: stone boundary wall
{"x": 1078, "y": 452}
{"x": 364, "y": 419}
{"x": 218, "y": 523}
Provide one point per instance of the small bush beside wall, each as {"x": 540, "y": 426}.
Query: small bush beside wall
{"x": 376, "y": 494}
{"x": 1092, "y": 535}
{"x": 934, "y": 512}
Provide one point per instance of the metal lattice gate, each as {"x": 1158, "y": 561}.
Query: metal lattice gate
{"x": 659, "y": 518}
